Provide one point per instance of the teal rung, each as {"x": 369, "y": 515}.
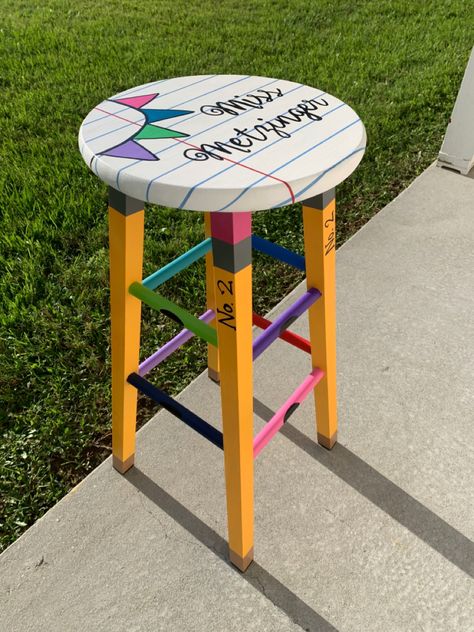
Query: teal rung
{"x": 177, "y": 265}
{"x": 162, "y": 304}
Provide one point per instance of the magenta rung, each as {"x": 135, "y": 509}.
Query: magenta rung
{"x": 284, "y": 412}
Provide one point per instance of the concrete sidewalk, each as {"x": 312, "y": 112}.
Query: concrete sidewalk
{"x": 373, "y": 536}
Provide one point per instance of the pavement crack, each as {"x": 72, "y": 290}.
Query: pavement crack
{"x": 41, "y": 562}
{"x": 335, "y": 516}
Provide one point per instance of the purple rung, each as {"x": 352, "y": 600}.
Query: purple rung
{"x": 167, "y": 349}
{"x": 284, "y": 321}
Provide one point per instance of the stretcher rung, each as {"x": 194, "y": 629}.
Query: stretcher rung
{"x": 278, "y": 252}
{"x": 177, "y": 265}
{"x": 178, "y": 410}
{"x": 284, "y": 321}
{"x": 287, "y": 336}
{"x": 171, "y": 346}
{"x": 170, "y": 309}
{"x": 284, "y": 412}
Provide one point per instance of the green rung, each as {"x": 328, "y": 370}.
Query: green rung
{"x": 160, "y": 303}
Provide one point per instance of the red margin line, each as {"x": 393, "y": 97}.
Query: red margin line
{"x": 290, "y": 190}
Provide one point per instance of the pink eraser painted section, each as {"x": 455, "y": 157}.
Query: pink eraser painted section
{"x": 231, "y": 227}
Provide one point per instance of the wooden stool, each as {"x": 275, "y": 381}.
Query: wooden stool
{"x": 233, "y": 145}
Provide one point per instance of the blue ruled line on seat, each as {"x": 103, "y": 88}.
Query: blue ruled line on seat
{"x": 278, "y": 252}
{"x": 321, "y": 175}
{"x": 178, "y": 410}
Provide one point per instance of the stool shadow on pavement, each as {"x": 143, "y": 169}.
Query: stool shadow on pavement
{"x": 294, "y": 607}
{"x": 381, "y": 491}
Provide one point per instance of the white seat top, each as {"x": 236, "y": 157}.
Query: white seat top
{"x": 222, "y": 142}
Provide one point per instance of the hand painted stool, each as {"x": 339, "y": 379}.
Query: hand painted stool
{"x": 227, "y": 145}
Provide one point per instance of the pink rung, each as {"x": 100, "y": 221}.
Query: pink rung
{"x": 278, "y": 419}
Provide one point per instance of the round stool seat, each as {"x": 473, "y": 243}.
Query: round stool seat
{"x": 222, "y": 142}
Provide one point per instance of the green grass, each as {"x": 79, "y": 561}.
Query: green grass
{"x": 398, "y": 63}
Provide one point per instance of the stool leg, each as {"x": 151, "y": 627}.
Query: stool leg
{"x": 126, "y": 222}
{"x": 319, "y": 215}
{"x": 232, "y": 252}
{"x": 212, "y": 352}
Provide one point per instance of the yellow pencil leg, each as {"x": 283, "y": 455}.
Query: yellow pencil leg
{"x": 212, "y": 352}
{"x": 126, "y": 226}
{"x": 233, "y": 292}
{"x": 319, "y": 220}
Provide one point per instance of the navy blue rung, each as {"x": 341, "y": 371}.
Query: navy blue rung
{"x": 278, "y": 252}
{"x": 177, "y": 409}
